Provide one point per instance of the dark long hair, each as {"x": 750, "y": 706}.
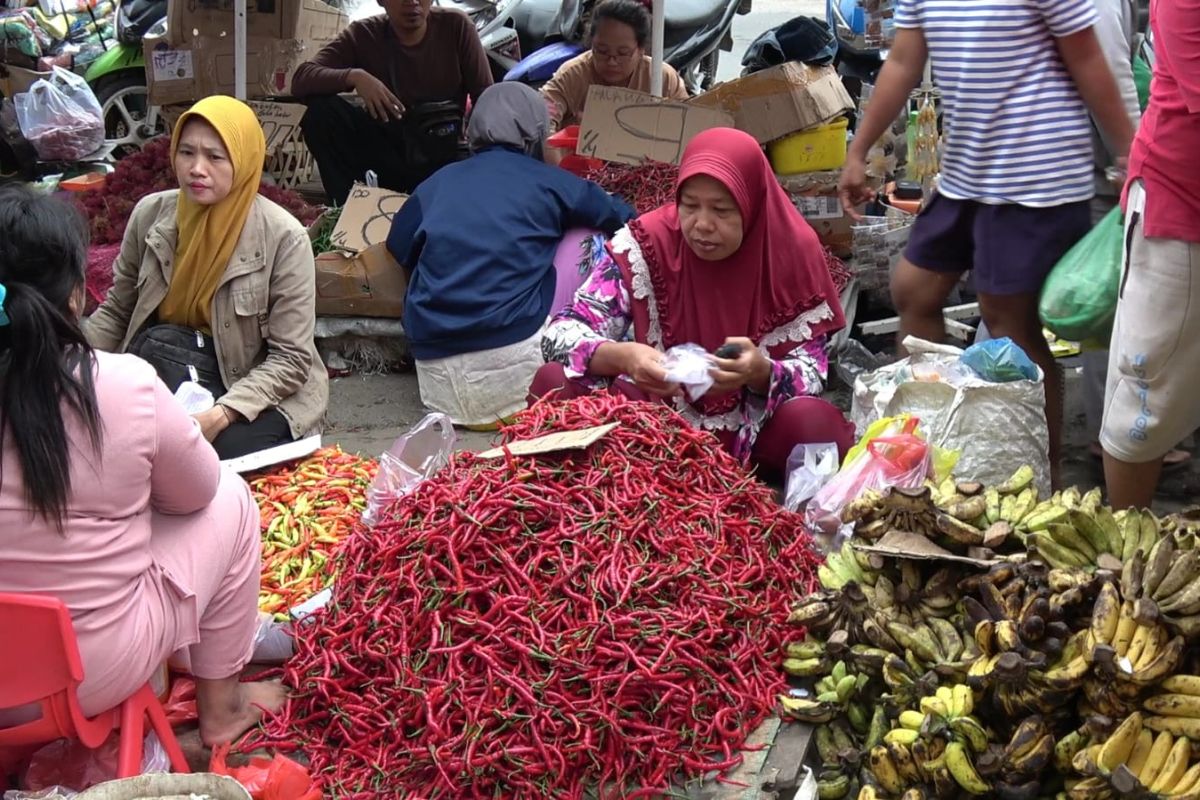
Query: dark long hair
{"x": 628, "y": 12}
{"x": 46, "y": 365}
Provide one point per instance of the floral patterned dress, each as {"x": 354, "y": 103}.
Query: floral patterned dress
{"x": 603, "y": 312}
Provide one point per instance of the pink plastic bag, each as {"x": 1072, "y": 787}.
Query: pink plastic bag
{"x": 903, "y": 459}
{"x": 278, "y": 778}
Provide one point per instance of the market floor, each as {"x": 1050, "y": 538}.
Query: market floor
{"x": 367, "y": 413}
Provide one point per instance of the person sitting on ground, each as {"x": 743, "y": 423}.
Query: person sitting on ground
{"x": 217, "y": 284}
{"x": 110, "y": 499}
{"x": 398, "y": 63}
{"x": 1151, "y": 403}
{"x": 479, "y": 241}
{"x": 620, "y": 34}
{"x": 731, "y": 262}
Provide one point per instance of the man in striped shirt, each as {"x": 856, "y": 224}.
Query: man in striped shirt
{"x": 1017, "y": 79}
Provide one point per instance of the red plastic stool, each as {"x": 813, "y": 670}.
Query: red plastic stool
{"x": 49, "y": 671}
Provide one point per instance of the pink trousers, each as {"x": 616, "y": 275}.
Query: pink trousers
{"x": 801, "y": 420}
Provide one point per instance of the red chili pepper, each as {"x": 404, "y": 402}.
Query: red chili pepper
{"x": 547, "y": 626}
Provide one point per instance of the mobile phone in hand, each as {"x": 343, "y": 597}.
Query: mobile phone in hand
{"x": 728, "y": 351}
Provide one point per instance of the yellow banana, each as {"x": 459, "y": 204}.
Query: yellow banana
{"x": 913, "y": 720}
{"x": 1106, "y": 614}
{"x": 1180, "y": 726}
{"x": 1141, "y": 751}
{"x": 1173, "y": 705}
{"x": 1120, "y": 743}
{"x": 1163, "y": 743}
{"x": 1189, "y": 782}
{"x": 964, "y": 700}
{"x": 885, "y": 771}
{"x": 1126, "y": 625}
{"x": 1174, "y": 767}
{"x": 1182, "y": 684}
{"x": 960, "y": 766}
{"x": 900, "y": 736}
{"x": 972, "y": 732}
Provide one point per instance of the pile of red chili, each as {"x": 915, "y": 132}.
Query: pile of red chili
{"x": 644, "y": 186}
{"x": 542, "y": 626}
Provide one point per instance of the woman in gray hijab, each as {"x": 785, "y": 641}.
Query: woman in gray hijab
{"x": 478, "y": 241}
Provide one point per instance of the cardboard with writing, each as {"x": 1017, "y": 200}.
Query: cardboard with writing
{"x": 280, "y": 121}
{"x": 815, "y": 195}
{"x": 186, "y": 73}
{"x": 360, "y": 278}
{"x": 630, "y": 127}
{"x": 779, "y": 101}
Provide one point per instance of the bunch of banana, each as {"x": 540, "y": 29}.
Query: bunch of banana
{"x": 906, "y": 594}
{"x": 1127, "y": 640}
{"x": 847, "y": 565}
{"x": 1089, "y": 535}
{"x": 1168, "y": 581}
{"x": 1135, "y": 760}
{"x": 1176, "y": 707}
{"x": 833, "y": 610}
{"x": 1026, "y": 756}
{"x": 1017, "y": 611}
{"x": 832, "y": 693}
{"x": 838, "y": 753}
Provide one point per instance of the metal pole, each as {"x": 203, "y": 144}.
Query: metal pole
{"x": 656, "y": 47}
{"x": 239, "y": 49}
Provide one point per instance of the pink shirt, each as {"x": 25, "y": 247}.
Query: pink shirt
{"x": 152, "y": 458}
{"x": 1165, "y": 151}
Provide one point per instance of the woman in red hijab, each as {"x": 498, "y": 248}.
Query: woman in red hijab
{"x": 731, "y": 262}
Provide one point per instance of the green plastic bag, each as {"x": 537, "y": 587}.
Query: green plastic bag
{"x": 1079, "y": 299}
{"x": 1142, "y": 76}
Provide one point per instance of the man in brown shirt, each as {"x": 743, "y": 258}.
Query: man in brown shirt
{"x": 414, "y": 68}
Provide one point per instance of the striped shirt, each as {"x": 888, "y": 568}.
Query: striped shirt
{"x": 1015, "y": 129}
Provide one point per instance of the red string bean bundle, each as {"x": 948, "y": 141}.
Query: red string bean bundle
{"x": 544, "y": 626}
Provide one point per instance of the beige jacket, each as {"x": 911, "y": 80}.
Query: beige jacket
{"x": 262, "y": 316}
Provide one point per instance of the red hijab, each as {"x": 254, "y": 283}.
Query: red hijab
{"x": 776, "y": 289}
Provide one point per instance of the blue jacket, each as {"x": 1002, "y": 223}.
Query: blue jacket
{"x": 479, "y": 239}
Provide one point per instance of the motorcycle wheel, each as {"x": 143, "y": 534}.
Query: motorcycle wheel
{"x": 124, "y": 101}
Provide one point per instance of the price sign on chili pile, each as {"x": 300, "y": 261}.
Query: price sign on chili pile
{"x": 367, "y": 218}
{"x": 632, "y": 127}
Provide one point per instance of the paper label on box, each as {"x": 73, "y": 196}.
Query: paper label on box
{"x": 366, "y": 218}
{"x": 819, "y": 207}
{"x": 172, "y": 65}
{"x": 279, "y": 121}
{"x": 630, "y": 127}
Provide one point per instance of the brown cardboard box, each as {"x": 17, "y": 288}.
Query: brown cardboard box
{"x": 196, "y": 57}
{"x": 186, "y": 73}
{"x": 312, "y": 20}
{"x": 815, "y": 195}
{"x": 362, "y": 279}
{"x": 15, "y": 80}
{"x": 781, "y": 100}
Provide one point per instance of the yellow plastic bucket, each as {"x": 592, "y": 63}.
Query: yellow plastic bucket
{"x": 813, "y": 150}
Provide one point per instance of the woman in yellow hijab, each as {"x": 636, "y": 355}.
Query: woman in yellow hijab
{"x": 215, "y": 285}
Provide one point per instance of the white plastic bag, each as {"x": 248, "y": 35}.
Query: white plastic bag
{"x": 194, "y": 398}
{"x": 415, "y": 456}
{"x": 690, "y": 366}
{"x": 61, "y": 117}
{"x": 995, "y": 427}
{"x": 809, "y": 467}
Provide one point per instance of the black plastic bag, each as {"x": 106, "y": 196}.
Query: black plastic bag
{"x": 806, "y": 39}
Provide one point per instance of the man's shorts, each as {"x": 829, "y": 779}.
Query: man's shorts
{"x": 1152, "y": 402}
{"x": 1010, "y": 248}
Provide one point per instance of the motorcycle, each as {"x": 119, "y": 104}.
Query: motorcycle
{"x": 497, "y": 30}
{"x": 118, "y": 77}
{"x": 856, "y": 61}
{"x": 696, "y": 31}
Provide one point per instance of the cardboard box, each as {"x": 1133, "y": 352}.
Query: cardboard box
{"x": 186, "y": 73}
{"x": 629, "y": 127}
{"x": 815, "y": 195}
{"x": 312, "y": 20}
{"x": 781, "y": 100}
{"x": 15, "y": 80}
{"x": 196, "y": 57}
{"x": 361, "y": 279}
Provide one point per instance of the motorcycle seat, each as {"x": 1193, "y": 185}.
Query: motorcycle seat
{"x": 693, "y": 14}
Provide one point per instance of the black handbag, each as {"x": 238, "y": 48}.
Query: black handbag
{"x": 179, "y": 354}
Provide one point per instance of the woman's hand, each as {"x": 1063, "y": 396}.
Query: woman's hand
{"x": 750, "y": 369}
{"x": 644, "y": 365}
{"x": 213, "y": 421}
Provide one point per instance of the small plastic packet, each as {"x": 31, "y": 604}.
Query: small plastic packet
{"x": 415, "y": 456}
{"x": 194, "y": 398}
{"x": 690, "y": 366}
{"x": 809, "y": 467}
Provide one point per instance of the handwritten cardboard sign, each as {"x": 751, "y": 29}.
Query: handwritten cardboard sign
{"x": 280, "y": 121}
{"x": 553, "y": 442}
{"x": 630, "y": 127}
{"x": 366, "y": 218}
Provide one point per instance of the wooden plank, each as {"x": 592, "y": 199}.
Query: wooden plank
{"x": 785, "y": 763}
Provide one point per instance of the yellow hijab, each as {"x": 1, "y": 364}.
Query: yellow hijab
{"x": 208, "y": 235}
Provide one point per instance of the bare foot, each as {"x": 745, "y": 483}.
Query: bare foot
{"x": 239, "y": 710}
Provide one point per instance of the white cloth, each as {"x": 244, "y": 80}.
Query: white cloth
{"x": 481, "y": 388}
